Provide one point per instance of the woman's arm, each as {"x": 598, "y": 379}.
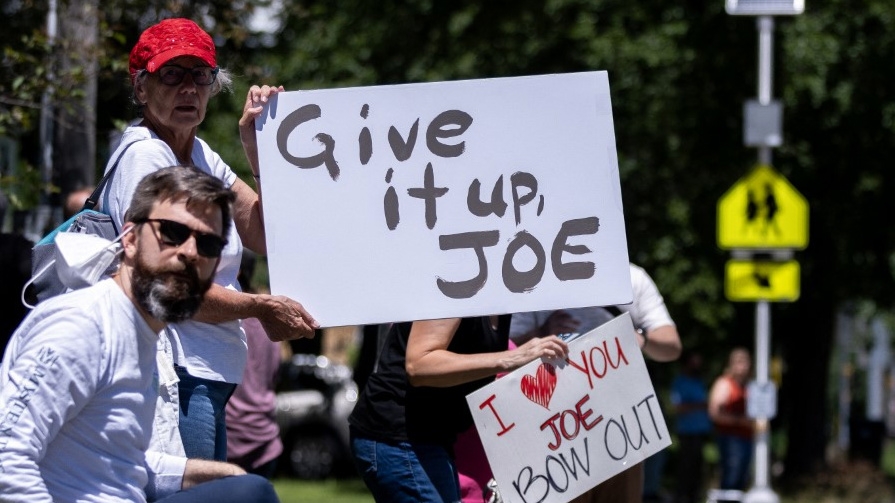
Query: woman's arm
{"x": 429, "y": 363}
{"x": 717, "y": 396}
{"x": 247, "y": 211}
{"x": 662, "y": 343}
{"x": 282, "y": 318}
{"x": 257, "y": 97}
{"x": 248, "y": 218}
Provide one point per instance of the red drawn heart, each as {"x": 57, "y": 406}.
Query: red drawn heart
{"x": 539, "y": 387}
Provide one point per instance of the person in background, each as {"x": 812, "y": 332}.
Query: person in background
{"x": 74, "y": 202}
{"x": 656, "y": 335}
{"x": 414, "y": 404}
{"x": 734, "y": 430}
{"x": 77, "y": 381}
{"x": 253, "y": 436}
{"x": 174, "y": 71}
{"x": 689, "y": 396}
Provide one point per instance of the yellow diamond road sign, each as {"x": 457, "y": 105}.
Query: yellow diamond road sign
{"x": 750, "y": 281}
{"x": 762, "y": 211}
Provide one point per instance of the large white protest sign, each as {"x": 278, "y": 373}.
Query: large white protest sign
{"x": 554, "y": 430}
{"x": 447, "y": 199}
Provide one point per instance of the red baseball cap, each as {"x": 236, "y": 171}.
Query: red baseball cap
{"x": 170, "y": 39}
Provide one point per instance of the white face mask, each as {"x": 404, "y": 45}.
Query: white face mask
{"x": 82, "y": 259}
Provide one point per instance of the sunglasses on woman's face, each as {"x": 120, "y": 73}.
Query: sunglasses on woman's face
{"x": 174, "y": 233}
{"x": 172, "y": 75}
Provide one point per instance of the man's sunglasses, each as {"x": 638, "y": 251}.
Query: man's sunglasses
{"x": 174, "y": 233}
{"x": 172, "y": 75}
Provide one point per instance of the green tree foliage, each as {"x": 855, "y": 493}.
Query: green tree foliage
{"x": 28, "y": 68}
{"x": 23, "y": 64}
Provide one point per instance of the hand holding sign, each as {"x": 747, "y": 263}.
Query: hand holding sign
{"x": 553, "y": 431}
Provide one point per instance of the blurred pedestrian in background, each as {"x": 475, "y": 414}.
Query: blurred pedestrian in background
{"x": 74, "y": 202}
{"x": 253, "y": 437}
{"x": 734, "y": 430}
{"x": 689, "y": 396}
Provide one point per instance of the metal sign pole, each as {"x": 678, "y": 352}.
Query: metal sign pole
{"x": 744, "y": 219}
{"x": 761, "y": 491}
{"x": 765, "y": 73}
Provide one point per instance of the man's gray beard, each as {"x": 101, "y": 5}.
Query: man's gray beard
{"x": 166, "y": 295}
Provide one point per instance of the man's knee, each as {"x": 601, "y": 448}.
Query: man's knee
{"x": 243, "y": 488}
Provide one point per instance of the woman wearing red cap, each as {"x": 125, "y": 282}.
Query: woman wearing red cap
{"x": 174, "y": 72}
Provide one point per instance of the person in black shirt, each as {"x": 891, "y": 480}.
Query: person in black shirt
{"x": 412, "y": 407}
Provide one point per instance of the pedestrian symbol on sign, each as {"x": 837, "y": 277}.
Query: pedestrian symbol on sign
{"x": 762, "y": 211}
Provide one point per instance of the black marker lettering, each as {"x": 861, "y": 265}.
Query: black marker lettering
{"x": 289, "y": 124}
{"x": 478, "y": 241}
{"x": 447, "y": 124}
{"x": 573, "y": 270}
{"x": 523, "y": 281}
{"x": 429, "y": 193}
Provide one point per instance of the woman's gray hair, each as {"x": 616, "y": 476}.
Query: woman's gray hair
{"x": 223, "y": 82}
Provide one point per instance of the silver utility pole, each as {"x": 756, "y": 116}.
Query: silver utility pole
{"x": 763, "y": 129}
{"x": 761, "y": 491}
{"x": 765, "y": 74}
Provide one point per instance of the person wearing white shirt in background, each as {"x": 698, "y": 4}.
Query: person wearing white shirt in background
{"x": 656, "y": 335}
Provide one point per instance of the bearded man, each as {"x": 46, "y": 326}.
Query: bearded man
{"x": 78, "y": 381}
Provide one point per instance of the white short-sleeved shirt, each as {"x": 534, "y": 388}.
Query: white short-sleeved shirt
{"x": 216, "y": 352}
{"x": 647, "y": 310}
{"x": 77, "y": 398}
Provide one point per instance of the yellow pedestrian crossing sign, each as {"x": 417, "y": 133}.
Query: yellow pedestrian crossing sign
{"x": 762, "y": 211}
{"x": 750, "y": 281}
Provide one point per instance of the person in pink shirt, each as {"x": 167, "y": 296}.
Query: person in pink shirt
{"x": 253, "y": 436}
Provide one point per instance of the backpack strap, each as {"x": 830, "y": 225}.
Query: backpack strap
{"x": 91, "y": 201}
